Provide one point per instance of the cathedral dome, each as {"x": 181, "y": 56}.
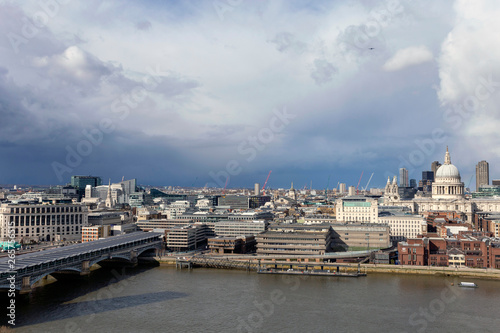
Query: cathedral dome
{"x": 447, "y": 171}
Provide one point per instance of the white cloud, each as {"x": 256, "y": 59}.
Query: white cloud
{"x": 469, "y": 72}
{"x": 407, "y": 57}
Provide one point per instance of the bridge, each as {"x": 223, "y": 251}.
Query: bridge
{"x": 23, "y": 271}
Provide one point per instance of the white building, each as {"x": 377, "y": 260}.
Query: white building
{"x": 357, "y": 209}
{"x": 42, "y": 221}
{"x": 403, "y": 227}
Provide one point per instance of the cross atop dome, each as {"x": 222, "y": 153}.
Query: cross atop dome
{"x": 447, "y": 159}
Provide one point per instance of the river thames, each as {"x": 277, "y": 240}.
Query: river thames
{"x": 163, "y": 299}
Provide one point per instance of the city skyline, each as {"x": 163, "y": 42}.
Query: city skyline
{"x": 184, "y": 93}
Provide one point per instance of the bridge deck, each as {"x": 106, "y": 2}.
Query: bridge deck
{"x": 46, "y": 256}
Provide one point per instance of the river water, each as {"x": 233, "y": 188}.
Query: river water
{"x": 163, "y": 299}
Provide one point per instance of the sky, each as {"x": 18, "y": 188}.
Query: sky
{"x": 191, "y": 93}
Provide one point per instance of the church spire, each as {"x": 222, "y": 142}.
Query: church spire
{"x": 109, "y": 198}
{"x": 447, "y": 159}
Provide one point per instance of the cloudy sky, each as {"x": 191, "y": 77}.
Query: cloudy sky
{"x": 189, "y": 92}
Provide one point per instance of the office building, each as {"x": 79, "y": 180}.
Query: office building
{"x": 34, "y": 221}
{"x": 81, "y": 182}
{"x": 482, "y": 174}
{"x": 434, "y": 166}
{"x": 295, "y": 239}
{"x": 403, "y": 177}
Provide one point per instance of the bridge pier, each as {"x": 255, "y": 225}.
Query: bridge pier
{"x": 26, "y": 285}
{"x": 133, "y": 257}
{"x": 85, "y": 268}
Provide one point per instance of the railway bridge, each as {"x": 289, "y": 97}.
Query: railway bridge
{"x": 23, "y": 271}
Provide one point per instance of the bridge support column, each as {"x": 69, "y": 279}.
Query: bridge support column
{"x": 26, "y": 285}
{"x": 85, "y": 268}
{"x": 133, "y": 257}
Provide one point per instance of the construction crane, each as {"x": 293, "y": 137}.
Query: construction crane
{"x": 359, "y": 181}
{"x": 265, "y": 183}
{"x": 366, "y": 187}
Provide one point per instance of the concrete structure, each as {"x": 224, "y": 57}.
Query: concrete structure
{"x": 33, "y": 221}
{"x": 360, "y": 236}
{"x": 482, "y": 174}
{"x": 294, "y": 239}
{"x": 230, "y": 228}
{"x": 187, "y": 237}
{"x": 342, "y": 188}
{"x": 239, "y": 244}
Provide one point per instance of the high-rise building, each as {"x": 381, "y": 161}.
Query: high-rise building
{"x": 413, "y": 183}
{"x": 403, "y": 177}
{"x": 342, "y": 188}
{"x": 81, "y": 182}
{"x": 434, "y": 166}
{"x": 482, "y": 174}
{"x": 428, "y": 175}
{"x": 427, "y": 180}
{"x": 256, "y": 190}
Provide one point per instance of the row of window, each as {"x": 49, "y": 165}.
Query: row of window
{"x": 44, "y": 210}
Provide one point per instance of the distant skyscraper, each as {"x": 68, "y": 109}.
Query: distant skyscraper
{"x": 403, "y": 177}
{"x": 482, "y": 174}
{"x": 426, "y": 182}
{"x": 256, "y": 189}
{"x": 413, "y": 183}
{"x": 428, "y": 175}
{"x": 342, "y": 188}
{"x": 434, "y": 166}
{"x": 81, "y": 182}
{"x": 352, "y": 190}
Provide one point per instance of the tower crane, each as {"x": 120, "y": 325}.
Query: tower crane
{"x": 265, "y": 183}
{"x": 366, "y": 187}
{"x": 359, "y": 181}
